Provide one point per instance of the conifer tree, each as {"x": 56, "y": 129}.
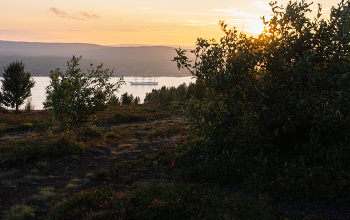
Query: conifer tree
{"x": 16, "y": 85}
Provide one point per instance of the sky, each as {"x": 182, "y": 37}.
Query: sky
{"x": 114, "y": 22}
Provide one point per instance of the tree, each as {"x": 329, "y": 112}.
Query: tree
{"x": 74, "y": 96}
{"x": 128, "y": 99}
{"x": 16, "y": 85}
{"x": 114, "y": 101}
{"x": 136, "y": 100}
{"x": 287, "y": 90}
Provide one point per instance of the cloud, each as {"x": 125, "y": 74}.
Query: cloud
{"x": 59, "y": 12}
{"x": 236, "y": 12}
{"x": 145, "y": 8}
{"x": 80, "y": 15}
{"x": 262, "y": 5}
{"x": 89, "y": 15}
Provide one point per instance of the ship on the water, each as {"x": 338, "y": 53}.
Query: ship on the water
{"x": 144, "y": 82}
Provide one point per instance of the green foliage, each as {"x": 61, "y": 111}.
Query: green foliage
{"x": 16, "y": 85}
{"x": 114, "y": 101}
{"x": 272, "y": 99}
{"x": 181, "y": 93}
{"x": 127, "y": 99}
{"x": 74, "y": 96}
{"x": 172, "y": 201}
{"x": 288, "y": 88}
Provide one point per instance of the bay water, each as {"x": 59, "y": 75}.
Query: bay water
{"x": 39, "y": 96}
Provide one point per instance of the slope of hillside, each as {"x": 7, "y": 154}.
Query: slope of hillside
{"x": 40, "y": 58}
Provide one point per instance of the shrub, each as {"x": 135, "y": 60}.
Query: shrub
{"x": 74, "y": 96}
{"x": 284, "y": 91}
{"x": 272, "y": 99}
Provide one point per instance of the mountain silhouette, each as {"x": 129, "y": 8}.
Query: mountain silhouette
{"x": 41, "y": 58}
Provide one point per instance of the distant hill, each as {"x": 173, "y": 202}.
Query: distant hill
{"x": 41, "y": 58}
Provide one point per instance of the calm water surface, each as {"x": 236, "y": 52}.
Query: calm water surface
{"x": 38, "y": 92}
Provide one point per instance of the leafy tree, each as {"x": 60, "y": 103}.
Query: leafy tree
{"x": 284, "y": 91}
{"x": 16, "y": 85}
{"x": 74, "y": 96}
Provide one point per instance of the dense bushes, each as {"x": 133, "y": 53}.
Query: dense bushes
{"x": 274, "y": 98}
{"x": 180, "y": 94}
{"x": 287, "y": 88}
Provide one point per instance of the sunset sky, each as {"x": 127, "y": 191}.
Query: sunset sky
{"x": 112, "y": 22}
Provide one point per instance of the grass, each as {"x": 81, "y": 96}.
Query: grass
{"x": 44, "y": 194}
{"x": 70, "y": 186}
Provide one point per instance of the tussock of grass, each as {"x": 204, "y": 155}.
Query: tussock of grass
{"x": 44, "y": 194}
{"x": 70, "y": 186}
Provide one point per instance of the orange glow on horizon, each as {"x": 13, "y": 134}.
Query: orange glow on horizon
{"x": 130, "y": 22}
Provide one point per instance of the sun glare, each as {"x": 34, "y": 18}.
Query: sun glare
{"x": 254, "y": 26}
